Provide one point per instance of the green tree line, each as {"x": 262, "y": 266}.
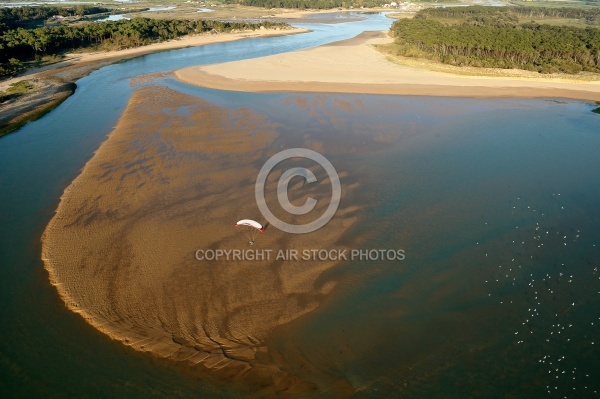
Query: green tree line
{"x": 477, "y": 14}
{"x": 493, "y": 44}
{"x": 14, "y": 17}
{"x": 589, "y": 14}
{"x": 18, "y": 46}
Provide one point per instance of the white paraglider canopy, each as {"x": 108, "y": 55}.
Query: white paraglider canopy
{"x": 250, "y": 223}
{"x": 251, "y": 226}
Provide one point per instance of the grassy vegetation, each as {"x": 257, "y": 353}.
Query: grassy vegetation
{"x": 326, "y": 4}
{"x": 38, "y": 112}
{"x": 494, "y": 37}
{"x": 16, "y": 90}
{"x": 20, "y": 87}
{"x": 554, "y": 3}
{"x": 478, "y": 15}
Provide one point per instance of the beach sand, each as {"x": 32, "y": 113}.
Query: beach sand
{"x": 355, "y": 66}
{"x": 55, "y": 82}
{"x": 174, "y": 177}
{"x": 84, "y": 58}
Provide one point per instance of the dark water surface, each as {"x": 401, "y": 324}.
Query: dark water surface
{"x": 494, "y": 201}
{"x": 496, "y": 205}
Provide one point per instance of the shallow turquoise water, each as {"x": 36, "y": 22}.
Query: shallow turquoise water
{"x": 461, "y": 185}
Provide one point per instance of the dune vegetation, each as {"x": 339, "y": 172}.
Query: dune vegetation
{"x": 495, "y": 37}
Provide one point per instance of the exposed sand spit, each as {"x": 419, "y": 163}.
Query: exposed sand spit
{"x": 173, "y": 177}
{"x": 354, "y": 66}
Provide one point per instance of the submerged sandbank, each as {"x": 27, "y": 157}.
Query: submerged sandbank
{"x": 172, "y": 178}
{"x": 354, "y": 66}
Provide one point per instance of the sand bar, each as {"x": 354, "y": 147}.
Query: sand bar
{"x": 173, "y": 178}
{"x": 355, "y": 66}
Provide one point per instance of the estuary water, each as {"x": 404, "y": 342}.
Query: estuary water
{"x": 495, "y": 203}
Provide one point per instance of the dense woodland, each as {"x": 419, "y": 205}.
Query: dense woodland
{"x": 492, "y": 37}
{"x": 18, "y": 46}
{"x": 496, "y": 15}
{"x": 15, "y": 17}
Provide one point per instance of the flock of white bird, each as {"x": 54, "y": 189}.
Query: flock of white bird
{"x": 550, "y": 276}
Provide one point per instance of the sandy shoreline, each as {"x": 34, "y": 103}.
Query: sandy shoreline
{"x": 55, "y": 82}
{"x": 186, "y": 41}
{"x": 74, "y": 59}
{"x": 354, "y": 66}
